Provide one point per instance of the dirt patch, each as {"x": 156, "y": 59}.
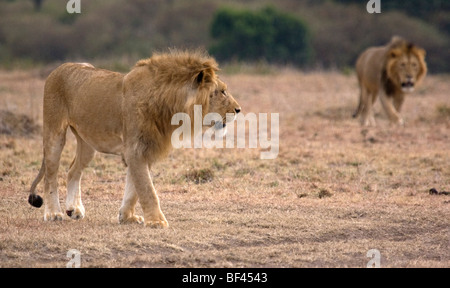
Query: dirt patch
{"x": 17, "y": 124}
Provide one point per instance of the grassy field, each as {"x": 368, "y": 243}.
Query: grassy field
{"x": 334, "y": 192}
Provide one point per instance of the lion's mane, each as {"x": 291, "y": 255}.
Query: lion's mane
{"x": 157, "y": 88}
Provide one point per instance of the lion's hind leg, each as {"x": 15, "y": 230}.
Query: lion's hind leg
{"x": 53, "y": 146}
{"x": 84, "y": 155}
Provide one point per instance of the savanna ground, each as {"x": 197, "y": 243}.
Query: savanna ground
{"x": 334, "y": 192}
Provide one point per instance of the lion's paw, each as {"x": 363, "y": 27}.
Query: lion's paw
{"x": 130, "y": 219}
{"x": 76, "y": 213}
{"x": 397, "y": 122}
{"x": 53, "y": 216}
{"x": 157, "y": 224}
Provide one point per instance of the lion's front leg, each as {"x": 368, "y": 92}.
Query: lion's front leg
{"x": 130, "y": 198}
{"x": 139, "y": 186}
{"x": 388, "y": 105}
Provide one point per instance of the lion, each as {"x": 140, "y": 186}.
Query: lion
{"x": 127, "y": 115}
{"x": 391, "y": 71}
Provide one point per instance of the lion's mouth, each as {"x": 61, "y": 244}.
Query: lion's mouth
{"x": 408, "y": 86}
{"x": 230, "y": 117}
{"x": 220, "y": 129}
{"x": 220, "y": 125}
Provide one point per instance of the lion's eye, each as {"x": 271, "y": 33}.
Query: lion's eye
{"x": 224, "y": 92}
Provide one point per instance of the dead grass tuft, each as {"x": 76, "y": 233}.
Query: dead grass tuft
{"x": 324, "y": 193}
{"x": 443, "y": 111}
{"x": 199, "y": 176}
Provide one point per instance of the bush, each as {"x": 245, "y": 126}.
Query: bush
{"x": 35, "y": 38}
{"x": 262, "y": 35}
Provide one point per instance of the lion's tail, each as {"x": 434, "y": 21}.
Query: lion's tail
{"x": 34, "y": 199}
{"x": 357, "y": 112}
{"x": 361, "y": 102}
{"x": 359, "y": 109}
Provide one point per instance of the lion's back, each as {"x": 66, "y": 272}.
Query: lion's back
{"x": 84, "y": 96}
{"x": 74, "y": 76}
{"x": 369, "y": 67}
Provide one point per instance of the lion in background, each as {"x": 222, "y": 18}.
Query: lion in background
{"x": 391, "y": 71}
{"x": 127, "y": 115}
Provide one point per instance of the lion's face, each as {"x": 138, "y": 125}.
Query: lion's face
{"x": 407, "y": 68}
{"x": 222, "y": 102}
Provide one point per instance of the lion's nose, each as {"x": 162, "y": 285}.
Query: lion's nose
{"x": 237, "y": 110}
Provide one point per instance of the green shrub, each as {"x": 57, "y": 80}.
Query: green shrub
{"x": 266, "y": 34}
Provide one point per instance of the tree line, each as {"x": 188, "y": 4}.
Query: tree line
{"x": 303, "y": 33}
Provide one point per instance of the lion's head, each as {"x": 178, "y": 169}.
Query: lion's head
{"x": 405, "y": 65}
{"x": 169, "y": 83}
{"x": 222, "y": 102}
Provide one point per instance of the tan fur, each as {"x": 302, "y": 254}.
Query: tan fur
{"x": 128, "y": 115}
{"x": 392, "y": 70}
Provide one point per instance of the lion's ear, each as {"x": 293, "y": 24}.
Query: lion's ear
{"x": 420, "y": 51}
{"x": 204, "y": 78}
{"x": 394, "y": 53}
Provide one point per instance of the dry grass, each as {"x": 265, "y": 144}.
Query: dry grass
{"x": 334, "y": 191}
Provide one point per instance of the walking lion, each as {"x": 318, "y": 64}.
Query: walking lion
{"x": 127, "y": 115}
{"x": 391, "y": 71}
